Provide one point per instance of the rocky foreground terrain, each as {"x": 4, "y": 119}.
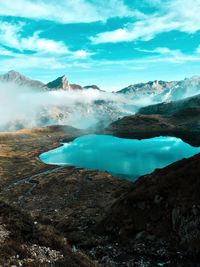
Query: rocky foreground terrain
{"x": 60, "y": 205}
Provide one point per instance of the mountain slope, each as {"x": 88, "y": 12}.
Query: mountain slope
{"x": 161, "y": 213}
{"x": 186, "y": 107}
{"x": 25, "y": 242}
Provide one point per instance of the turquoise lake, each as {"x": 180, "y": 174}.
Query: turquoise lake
{"x": 128, "y": 158}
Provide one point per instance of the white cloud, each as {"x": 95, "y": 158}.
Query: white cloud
{"x": 81, "y": 54}
{"x": 169, "y": 55}
{"x": 178, "y": 15}
{"x": 21, "y": 62}
{"x": 45, "y": 53}
{"x": 198, "y": 49}
{"x": 162, "y": 51}
{"x": 11, "y": 35}
{"x": 66, "y": 11}
{"x": 5, "y": 52}
{"x": 157, "y": 55}
{"x": 165, "y": 51}
{"x": 35, "y": 43}
{"x": 164, "y": 54}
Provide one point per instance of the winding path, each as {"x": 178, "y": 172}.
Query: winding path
{"x": 28, "y": 180}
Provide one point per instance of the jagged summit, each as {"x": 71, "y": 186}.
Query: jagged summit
{"x": 149, "y": 87}
{"x": 12, "y": 75}
{"x": 59, "y": 83}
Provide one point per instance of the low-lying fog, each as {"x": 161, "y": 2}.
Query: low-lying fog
{"x": 22, "y": 107}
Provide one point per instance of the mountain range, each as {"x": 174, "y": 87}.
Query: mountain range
{"x": 104, "y": 108}
{"x": 164, "y": 91}
{"x": 158, "y": 90}
{"x": 60, "y": 83}
{"x": 55, "y": 103}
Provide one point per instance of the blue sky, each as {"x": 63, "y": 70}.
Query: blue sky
{"x": 111, "y": 43}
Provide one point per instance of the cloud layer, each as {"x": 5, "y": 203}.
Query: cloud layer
{"x": 22, "y": 107}
{"x": 178, "y": 15}
{"x": 70, "y": 11}
{"x": 11, "y": 36}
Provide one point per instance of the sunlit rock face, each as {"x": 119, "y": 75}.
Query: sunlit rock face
{"x": 59, "y": 83}
{"x": 124, "y": 157}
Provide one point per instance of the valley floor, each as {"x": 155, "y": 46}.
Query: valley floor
{"x": 66, "y": 216}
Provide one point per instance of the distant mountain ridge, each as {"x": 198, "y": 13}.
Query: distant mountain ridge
{"x": 163, "y": 91}
{"x": 157, "y": 91}
{"x": 82, "y": 110}
{"x": 146, "y": 88}
{"x": 60, "y": 83}
{"x": 105, "y": 107}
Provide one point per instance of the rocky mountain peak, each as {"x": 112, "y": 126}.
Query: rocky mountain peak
{"x": 21, "y": 80}
{"x": 156, "y": 85}
{"x": 12, "y": 75}
{"x": 59, "y": 83}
